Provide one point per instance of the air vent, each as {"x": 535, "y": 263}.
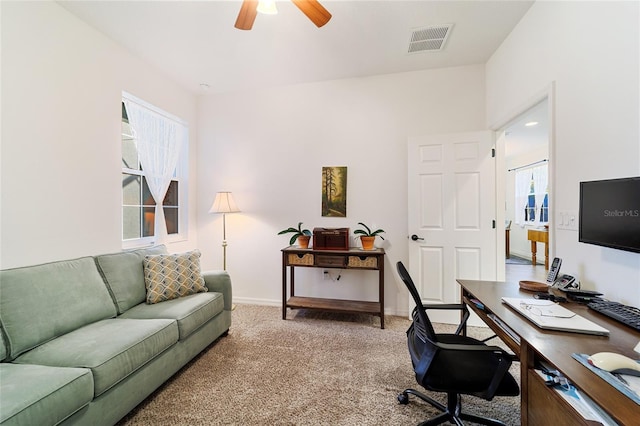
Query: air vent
{"x": 429, "y": 38}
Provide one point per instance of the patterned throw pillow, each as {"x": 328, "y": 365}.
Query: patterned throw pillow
{"x": 169, "y": 276}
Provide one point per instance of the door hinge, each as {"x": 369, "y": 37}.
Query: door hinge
{"x": 493, "y": 153}
{"x": 493, "y": 224}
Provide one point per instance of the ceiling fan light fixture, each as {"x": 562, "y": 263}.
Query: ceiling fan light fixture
{"x": 267, "y": 7}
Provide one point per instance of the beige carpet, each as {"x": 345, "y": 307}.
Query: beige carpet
{"x": 313, "y": 369}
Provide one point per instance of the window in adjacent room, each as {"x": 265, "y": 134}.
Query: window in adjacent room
{"x": 166, "y": 158}
{"x": 532, "y": 199}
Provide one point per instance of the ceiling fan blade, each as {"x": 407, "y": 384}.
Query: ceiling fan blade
{"x": 314, "y": 11}
{"x": 247, "y": 15}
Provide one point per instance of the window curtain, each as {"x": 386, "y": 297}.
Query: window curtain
{"x": 540, "y": 181}
{"x": 158, "y": 141}
{"x": 523, "y": 182}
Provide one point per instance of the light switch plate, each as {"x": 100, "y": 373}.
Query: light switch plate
{"x": 567, "y": 219}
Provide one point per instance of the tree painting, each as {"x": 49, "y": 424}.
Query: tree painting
{"x": 334, "y": 191}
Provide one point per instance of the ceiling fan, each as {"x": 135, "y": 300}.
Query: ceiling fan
{"x": 312, "y": 8}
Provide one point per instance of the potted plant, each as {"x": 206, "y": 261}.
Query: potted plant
{"x": 302, "y": 235}
{"x": 367, "y": 237}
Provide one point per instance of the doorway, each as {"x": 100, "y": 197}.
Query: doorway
{"x": 525, "y": 168}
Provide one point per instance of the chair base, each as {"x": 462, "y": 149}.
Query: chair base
{"x": 452, "y": 412}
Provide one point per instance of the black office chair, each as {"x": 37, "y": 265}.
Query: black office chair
{"x": 454, "y": 363}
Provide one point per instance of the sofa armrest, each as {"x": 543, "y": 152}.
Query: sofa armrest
{"x": 219, "y": 281}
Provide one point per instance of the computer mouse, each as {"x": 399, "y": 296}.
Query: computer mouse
{"x": 615, "y": 363}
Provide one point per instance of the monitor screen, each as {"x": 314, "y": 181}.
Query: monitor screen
{"x": 610, "y": 213}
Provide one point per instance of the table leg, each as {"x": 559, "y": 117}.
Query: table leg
{"x": 534, "y": 249}
{"x": 381, "y": 289}
{"x": 506, "y": 244}
{"x": 284, "y": 287}
{"x": 546, "y": 255}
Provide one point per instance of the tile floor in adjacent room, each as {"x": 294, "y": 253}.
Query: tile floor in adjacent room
{"x": 525, "y": 272}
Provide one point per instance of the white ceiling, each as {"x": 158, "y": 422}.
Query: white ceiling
{"x": 195, "y": 42}
{"x": 521, "y": 138}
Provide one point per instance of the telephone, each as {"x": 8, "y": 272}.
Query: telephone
{"x": 563, "y": 282}
{"x": 566, "y": 282}
{"x": 554, "y": 270}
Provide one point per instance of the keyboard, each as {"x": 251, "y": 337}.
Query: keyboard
{"x": 627, "y": 315}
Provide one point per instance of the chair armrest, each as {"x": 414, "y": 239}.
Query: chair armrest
{"x": 219, "y": 281}
{"x": 472, "y": 348}
{"x": 462, "y": 327}
{"x": 448, "y": 306}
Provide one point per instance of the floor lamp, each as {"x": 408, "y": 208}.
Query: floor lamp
{"x": 224, "y": 203}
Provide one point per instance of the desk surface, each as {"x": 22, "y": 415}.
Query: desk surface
{"x": 557, "y": 346}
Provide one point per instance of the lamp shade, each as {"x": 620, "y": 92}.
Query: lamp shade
{"x": 224, "y": 203}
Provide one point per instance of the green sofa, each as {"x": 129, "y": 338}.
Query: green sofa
{"x": 79, "y": 345}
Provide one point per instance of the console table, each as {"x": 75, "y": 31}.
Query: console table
{"x": 352, "y": 259}
{"x": 540, "y": 404}
{"x": 539, "y": 236}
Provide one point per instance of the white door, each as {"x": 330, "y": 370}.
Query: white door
{"x": 452, "y": 217}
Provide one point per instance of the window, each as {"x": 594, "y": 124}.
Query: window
{"x": 138, "y": 203}
{"x": 532, "y": 199}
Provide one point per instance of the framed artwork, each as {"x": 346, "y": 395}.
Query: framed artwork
{"x": 334, "y": 191}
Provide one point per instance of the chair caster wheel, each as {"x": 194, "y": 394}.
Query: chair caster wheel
{"x": 403, "y": 398}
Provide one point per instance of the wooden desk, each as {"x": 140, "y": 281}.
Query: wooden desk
{"x": 540, "y": 404}
{"x": 539, "y": 236}
{"x": 353, "y": 259}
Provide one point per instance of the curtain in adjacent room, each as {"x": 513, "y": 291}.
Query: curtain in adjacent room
{"x": 523, "y": 181}
{"x": 158, "y": 141}
{"x": 540, "y": 182}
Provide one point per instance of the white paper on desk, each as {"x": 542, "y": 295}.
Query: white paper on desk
{"x": 580, "y": 402}
{"x": 633, "y": 382}
{"x": 551, "y": 316}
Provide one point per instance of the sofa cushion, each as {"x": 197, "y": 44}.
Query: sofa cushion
{"x": 3, "y": 346}
{"x": 41, "y": 395}
{"x": 124, "y": 275}
{"x": 112, "y": 349}
{"x": 169, "y": 276}
{"x": 191, "y": 312}
{"x": 42, "y": 302}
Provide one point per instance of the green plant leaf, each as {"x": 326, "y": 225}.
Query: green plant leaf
{"x": 296, "y": 232}
{"x": 286, "y": 231}
{"x": 365, "y": 227}
{"x": 367, "y": 231}
{"x": 293, "y": 239}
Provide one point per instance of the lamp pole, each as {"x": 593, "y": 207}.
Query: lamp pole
{"x": 224, "y": 241}
{"x": 224, "y": 203}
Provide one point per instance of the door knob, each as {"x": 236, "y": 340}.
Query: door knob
{"x": 414, "y": 237}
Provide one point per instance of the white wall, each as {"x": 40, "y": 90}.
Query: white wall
{"x": 62, "y": 85}
{"x": 591, "y": 51}
{"x": 268, "y": 148}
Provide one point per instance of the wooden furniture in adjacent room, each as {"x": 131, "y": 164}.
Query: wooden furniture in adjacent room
{"x": 540, "y": 404}
{"x": 352, "y": 259}
{"x": 539, "y": 236}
